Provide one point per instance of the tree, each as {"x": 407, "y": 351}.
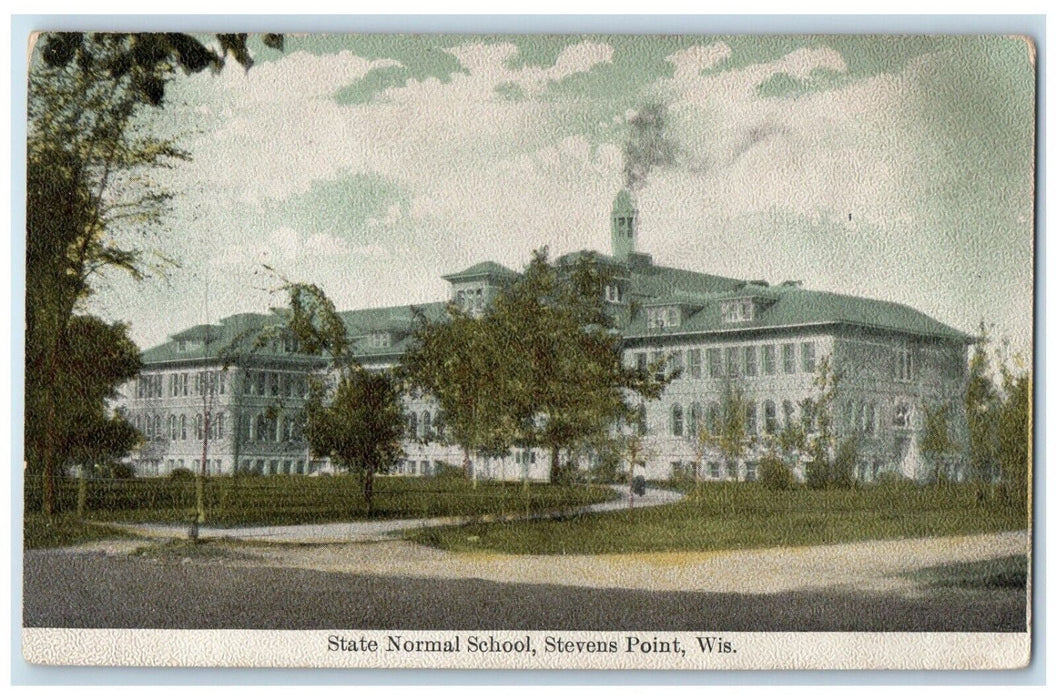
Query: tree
{"x": 981, "y": 411}
{"x": 460, "y": 363}
{"x": 90, "y": 197}
{"x": 567, "y": 382}
{"x": 936, "y": 441}
{"x": 727, "y": 433}
{"x": 361, "y": 424}
{"x": 1015, "y": 434}
{"x": 361, "y": 427}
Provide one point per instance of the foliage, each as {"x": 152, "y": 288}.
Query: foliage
{"x": 460, "y": 362}
{"x": 361, "y": 424}
{"x": 775, "y": 474}
{"x": 731, "y": 436}
{"x": 91, "y": 201}
{"x": 361, "y": 427}
{"x": 937, "y": 445}
{"x": 998, "y": 406}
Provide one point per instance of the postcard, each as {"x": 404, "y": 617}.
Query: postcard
{"x": 529, "y": 351}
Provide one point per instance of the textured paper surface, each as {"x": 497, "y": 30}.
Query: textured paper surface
{"x": 782, "y": 202}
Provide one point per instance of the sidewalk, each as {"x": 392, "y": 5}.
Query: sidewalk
{"x": 368, "y": 530}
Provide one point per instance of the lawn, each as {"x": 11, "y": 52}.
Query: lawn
{"x": 739, "y": 516}
{"x": 63, "y": 530}
{"x": 286, "y": 500}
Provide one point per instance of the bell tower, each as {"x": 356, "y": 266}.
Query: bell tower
{"x": 624, "y": 225}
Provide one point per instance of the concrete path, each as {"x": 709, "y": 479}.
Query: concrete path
{"x": 370, "y": 530}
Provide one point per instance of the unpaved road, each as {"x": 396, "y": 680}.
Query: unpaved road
{"x": 846, "y": 587}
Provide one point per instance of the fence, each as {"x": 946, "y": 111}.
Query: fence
{"x": 291, "y": 499}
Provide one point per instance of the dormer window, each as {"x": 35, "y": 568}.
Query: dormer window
{"x": 662, "y": 317}
{"x": 187, "y": 345}
{"x": 738, "y": 310}
{"x": 613, "y": 294}
{"x": 379, "y": 340}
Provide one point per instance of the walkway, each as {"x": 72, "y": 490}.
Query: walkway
{"x": 369, "y": 530}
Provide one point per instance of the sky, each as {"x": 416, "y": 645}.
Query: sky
{"x": 898, "y": 168}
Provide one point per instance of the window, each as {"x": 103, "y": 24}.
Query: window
{"x": 901, "y": 417}
{"x": 714, "y": 471}
{"x": 807, "y": 357}
{"x": 871, "y": 418}
{"x": 379, "y": 340}
{"x": 694, "y": 360}
{"x": 695, "y": 419}
{"x": 750, "y": 471}
{"x": 749, "y": 356}
{"x": 172, "y": 427}
{"x": 412, "y": 425}
{"x": 788, "y": 413}
{"x": 789, "y": 358}
{"x": 770, "y": 417}
{"x": 750, "y": 418}
{"x": 768, "y": 359}
{"x": 183, "y": 382}
{"x": 642, "y": 425}
{"x": 662, "y": 317}
{"x": 905, "y": 364}
{"x": 426, "y": 427}
{"x": 715, "y": 363}
{"x": 219, "y": 421}
{"x": 737, "y": 310}
{"x": 183, "y": 427}
{"x": 732, "y": 362}
{"x": 657, "y": 361}
{"x": 677, "y": 420}
{"x": 274, "y": 383}
{"x": 640, "y": 361}
{"x": 199, "y": 432}
{"x": 675, "y": 361}
{"x": 807, "y": 414}
{"x": 712, "y": 417}
{"x": 613, "y": 293}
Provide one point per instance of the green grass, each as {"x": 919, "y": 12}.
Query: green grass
{"x": 64, "y": 530}
{"x": 289, "y": 500}
{"x": 740, "y": 516}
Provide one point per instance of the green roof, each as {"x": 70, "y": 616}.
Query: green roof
{"x": 487, "y": 268}
{"x": 792, "y": 306}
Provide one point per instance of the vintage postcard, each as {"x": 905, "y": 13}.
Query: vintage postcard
{"x": 529, "y": 351}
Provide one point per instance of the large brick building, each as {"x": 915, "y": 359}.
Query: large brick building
{"x": 768, "y": 340}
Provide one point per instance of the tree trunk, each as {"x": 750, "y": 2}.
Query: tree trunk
{"x": 368, "y": 488}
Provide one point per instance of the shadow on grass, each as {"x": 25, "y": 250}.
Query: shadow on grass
{"x": 1003, "y": 573}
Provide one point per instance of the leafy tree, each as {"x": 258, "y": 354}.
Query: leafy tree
{"x": 460, "y": 363}
{"x": 982, "y": 404}
{"x": 936, "y": 441}
{"x": 90, "y": 198}
{"x": 728, "y": 434}
{"x": 361, "y": 427}
{"x": 566, "y": 379}
{"x": 361, "y": 424}
{"x": 1015, "y": 434}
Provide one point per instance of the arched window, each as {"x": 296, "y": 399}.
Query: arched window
{"x": 770, "y": 417}
{"x": 199, "y": 432}
{"x": 172, "y": 426}
{"x": 261, "y": 427}
{"x": 426, "y": 426}
{"x": 750, "y": 418}
{"x": 183, "y": 426}
{"x": 412, "y": 425}
{"x": 677, "y": 420}
{"x": 788, "y": 413}
{"x": 695, "y": 419}
{"x": 642, "y": 425}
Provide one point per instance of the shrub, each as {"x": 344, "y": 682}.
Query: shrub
{"x": 181, "y": 474}
{"x": 775, "y": 474}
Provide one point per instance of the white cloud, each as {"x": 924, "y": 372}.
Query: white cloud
{"x": 689, "y": 62}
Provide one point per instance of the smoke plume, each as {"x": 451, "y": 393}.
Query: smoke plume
{"x": 649, "y": 144}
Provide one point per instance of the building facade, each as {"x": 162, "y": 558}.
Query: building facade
{"x": 224, "y": 388}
